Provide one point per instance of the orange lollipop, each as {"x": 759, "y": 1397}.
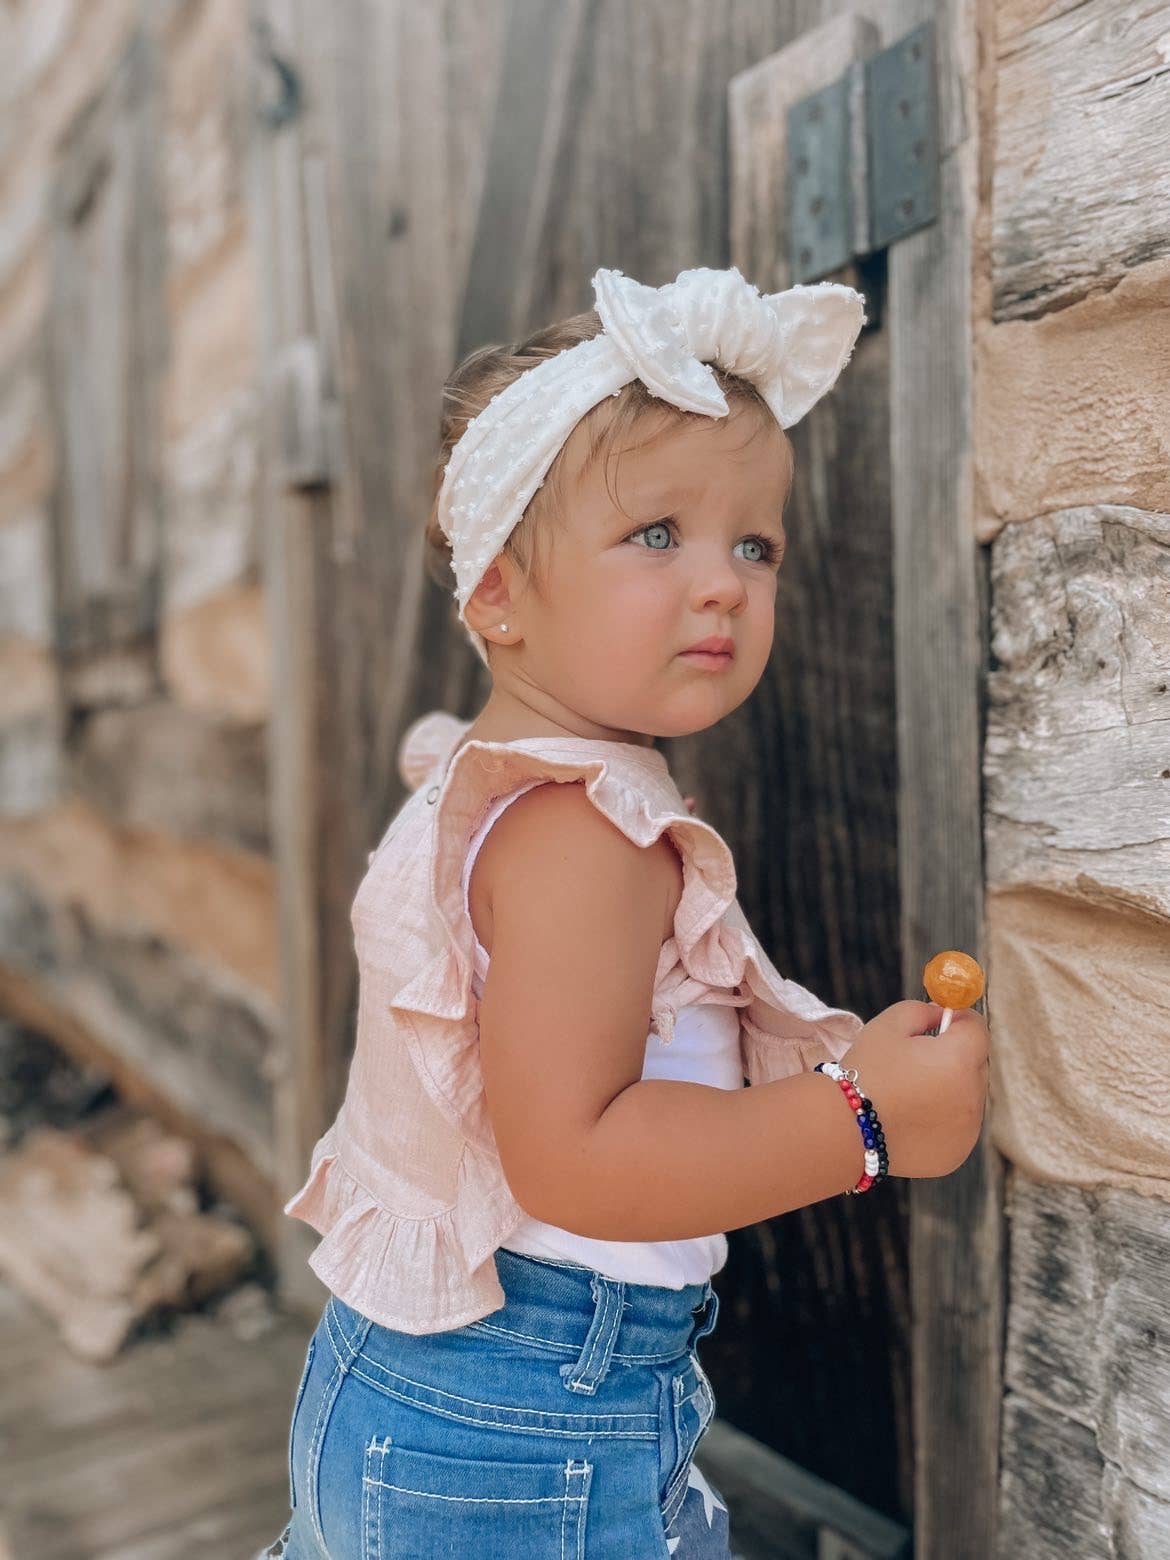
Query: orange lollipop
{"x": 953, "y": 979}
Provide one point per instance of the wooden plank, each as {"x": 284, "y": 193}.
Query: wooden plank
{"x": 211, "y": 542}
{"x": 1086, "y": 1435}
{"x": 542, "y": 83}
{"x": 815, "y": 840}
{"x": 1051, "y": 1499}
{"x": 1082, "y": 120}
{"x": 162, "y": 766}
{"x": 30, "y": 762}
{"x": 290, "y": 520}
{"x": 238, "y": 1525}
{"x": 780, "y": 1511}
{"x": 178, "y": 1445}
{"x": 941, "y": 628}
{"x": 644, "y": 184}
{"x": 1092, "y": 1265}
{"x": 107, "y": 249}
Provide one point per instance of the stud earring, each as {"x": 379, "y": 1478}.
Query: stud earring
{"x": 503, "y": 628}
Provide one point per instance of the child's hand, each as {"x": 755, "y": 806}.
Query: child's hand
{"x": 929, "y": 1091}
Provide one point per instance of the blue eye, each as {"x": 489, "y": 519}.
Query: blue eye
{"x": 658, "y": 525}
{"x": 762, "y": 543}
{"x": 770, "y": 553}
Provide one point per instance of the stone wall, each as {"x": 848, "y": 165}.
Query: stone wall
{"x": 1072, "y": 439}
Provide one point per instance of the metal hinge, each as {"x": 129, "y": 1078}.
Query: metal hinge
{"x": 863, "y": 158}
{"x": 305, "y": 419}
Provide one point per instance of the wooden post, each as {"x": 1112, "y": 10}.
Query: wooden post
{"x": 940, "y": 634}
{"x": 941, "y": 650}
{"x": 822, "y": 749}
{"x": 297, "y": 511}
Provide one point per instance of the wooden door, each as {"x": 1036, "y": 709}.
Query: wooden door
{"x": 428, "y": 178}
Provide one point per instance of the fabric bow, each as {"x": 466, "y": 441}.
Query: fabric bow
{"x": 792, "y": 345}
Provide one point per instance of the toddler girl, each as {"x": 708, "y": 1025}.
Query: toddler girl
{"x": 546, "y": 1131}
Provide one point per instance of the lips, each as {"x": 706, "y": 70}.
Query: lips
{"x": 713, "y": 654}
{"x": 714, "y": 644}
{"x": 714, "y": 662}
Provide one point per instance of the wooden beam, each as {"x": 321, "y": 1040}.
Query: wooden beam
{"x": 1086, "y": 1432}
{"x": 780, "y": 1511}
{"x": 941, "y": 632}
{"x": 546, "y": 55}
{"x": 818, "y": 864}
{"x": 296, "y": 525}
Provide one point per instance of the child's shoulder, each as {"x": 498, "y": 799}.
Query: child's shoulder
{"x": 458, "y": 779}
{"x": 553, "y": 837}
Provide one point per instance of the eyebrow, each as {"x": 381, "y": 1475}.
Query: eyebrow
{"x": 665, "y": 494}
{"x": 666, "y": 498}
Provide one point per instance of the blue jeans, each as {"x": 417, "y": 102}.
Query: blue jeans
{"x": 560, "y": 1427}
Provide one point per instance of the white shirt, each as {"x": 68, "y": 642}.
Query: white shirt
{"x": 704, "y": 1049}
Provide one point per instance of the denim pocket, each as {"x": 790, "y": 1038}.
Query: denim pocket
{"x": 694, "y": 1409}
{"x": 301, "y": 1385}
{"x": 419, "y": 1504}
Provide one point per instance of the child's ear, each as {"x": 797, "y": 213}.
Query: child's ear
{"x": 491, "y": 601}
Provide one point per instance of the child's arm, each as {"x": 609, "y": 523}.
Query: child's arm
{"x": 575, "y": 917}
{"x": 779, "y": 1146}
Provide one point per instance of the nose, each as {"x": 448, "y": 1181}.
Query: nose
{"x": 717, "y": 584}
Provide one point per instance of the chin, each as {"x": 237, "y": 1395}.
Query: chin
{"x": 693, "y": 724}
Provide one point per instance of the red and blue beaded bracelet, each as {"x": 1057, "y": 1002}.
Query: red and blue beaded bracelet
{"x": 877, "y": 1160}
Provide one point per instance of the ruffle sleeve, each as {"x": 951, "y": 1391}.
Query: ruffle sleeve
{"x": 784, "y": 1027}
{"x": 425, "y": 744}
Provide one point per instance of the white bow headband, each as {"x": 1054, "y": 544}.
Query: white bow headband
{"x": 791, "y": 345}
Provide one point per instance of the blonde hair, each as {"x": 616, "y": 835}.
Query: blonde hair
{"x": 614, "y": 421}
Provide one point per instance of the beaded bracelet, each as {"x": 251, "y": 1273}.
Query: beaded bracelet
{"x": 877, "y": 1161}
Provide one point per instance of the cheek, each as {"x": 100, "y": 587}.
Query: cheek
{"x": 763, "y": 614}
{"x": 766, "y": 636}
{"x": 635, "y": 593}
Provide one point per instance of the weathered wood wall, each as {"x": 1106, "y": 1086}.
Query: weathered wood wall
{"x": 1072, "y": 411}
{"x": 137, "y": 896}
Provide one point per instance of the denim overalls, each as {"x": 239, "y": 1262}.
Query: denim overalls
{"x": 561, "y": 1426}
